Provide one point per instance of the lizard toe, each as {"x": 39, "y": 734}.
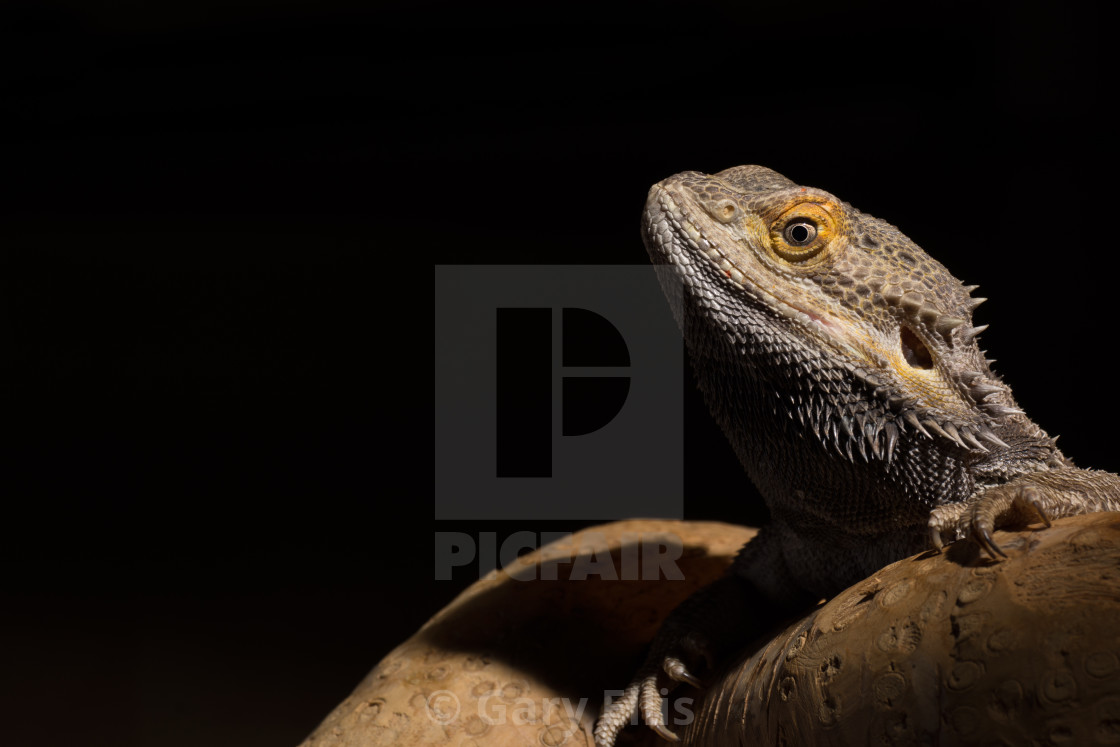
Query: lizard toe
{"x": 1030, "y": 496}
{"x": 617, "y": 715}
{"x": 950, "y": 522}
{"x": 651, "y": 705}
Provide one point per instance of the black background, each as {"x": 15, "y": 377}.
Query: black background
{"x": 219, "y": 223}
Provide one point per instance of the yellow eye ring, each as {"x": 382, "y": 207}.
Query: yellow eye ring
{"x": 802, "y": 233}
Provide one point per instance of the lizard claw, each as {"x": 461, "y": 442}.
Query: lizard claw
{"x": 1030, "y": 495}
{"x": 977, "y": 518}
{"x": 935, "y": 537}
{"x": 983, "y": 535}
{"x": 678, "y": 672}
{"x": 665, "y": 733}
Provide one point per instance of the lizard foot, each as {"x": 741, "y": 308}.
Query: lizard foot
{"x": 685, "y": 646}
{"x": 647, "y": 693}
{"x": 978, "y": 518}
{"x": 1039, "y": 496}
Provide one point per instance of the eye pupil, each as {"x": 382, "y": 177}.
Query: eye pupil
{"x": 799, "y": 234}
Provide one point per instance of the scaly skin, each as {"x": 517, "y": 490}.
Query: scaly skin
{"x": 841, "y": 362}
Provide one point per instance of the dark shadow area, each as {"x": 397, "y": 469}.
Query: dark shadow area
{"x": 574, "y": 634}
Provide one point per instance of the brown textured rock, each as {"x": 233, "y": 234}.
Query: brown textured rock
{"x": 508, "y": 662}
{"x": 949, "y": 649}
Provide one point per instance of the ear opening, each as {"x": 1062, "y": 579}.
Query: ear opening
{"x": 914, "y": 350}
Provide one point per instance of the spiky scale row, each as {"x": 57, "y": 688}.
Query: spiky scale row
{"x": 864, "y": 430}
{"x": 911, "y": 417}
{"x": 970, "y": 334}
{"x": 914, "y": 306}
{"x": 1000, "y": 411}
{"x": 981, "y": 390}
{"x": 967, "y": 435}
{"x": 946, "y": 324}
{"x": 892, "y": 438}
{"x": 911, "y": 302}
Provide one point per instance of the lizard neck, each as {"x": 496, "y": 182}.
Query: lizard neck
{"x": 823, "y": 450}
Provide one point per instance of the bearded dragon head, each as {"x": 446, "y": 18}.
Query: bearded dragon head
{"x": 794, "y": 282}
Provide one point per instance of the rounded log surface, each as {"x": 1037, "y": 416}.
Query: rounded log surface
{"x": 516, "y": 662}
{"x": 949, "y": 649}
{"x": 945, "y": 649}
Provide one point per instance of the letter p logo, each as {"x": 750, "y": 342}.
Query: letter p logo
{"x": 525, "y": 375}
{"x": 558, "y": 394}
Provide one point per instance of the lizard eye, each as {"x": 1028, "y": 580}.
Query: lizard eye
{"x": 800, "y": 233}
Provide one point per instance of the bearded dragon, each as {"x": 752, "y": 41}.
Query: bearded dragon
{"x": 841, "y": 362}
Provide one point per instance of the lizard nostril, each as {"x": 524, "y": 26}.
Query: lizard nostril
{"x": 914, "y": 350}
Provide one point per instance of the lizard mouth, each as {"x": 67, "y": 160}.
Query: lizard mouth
{"x": 678, "y": 241}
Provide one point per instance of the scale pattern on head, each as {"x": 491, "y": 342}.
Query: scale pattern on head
{"x": 866, "y": 336}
